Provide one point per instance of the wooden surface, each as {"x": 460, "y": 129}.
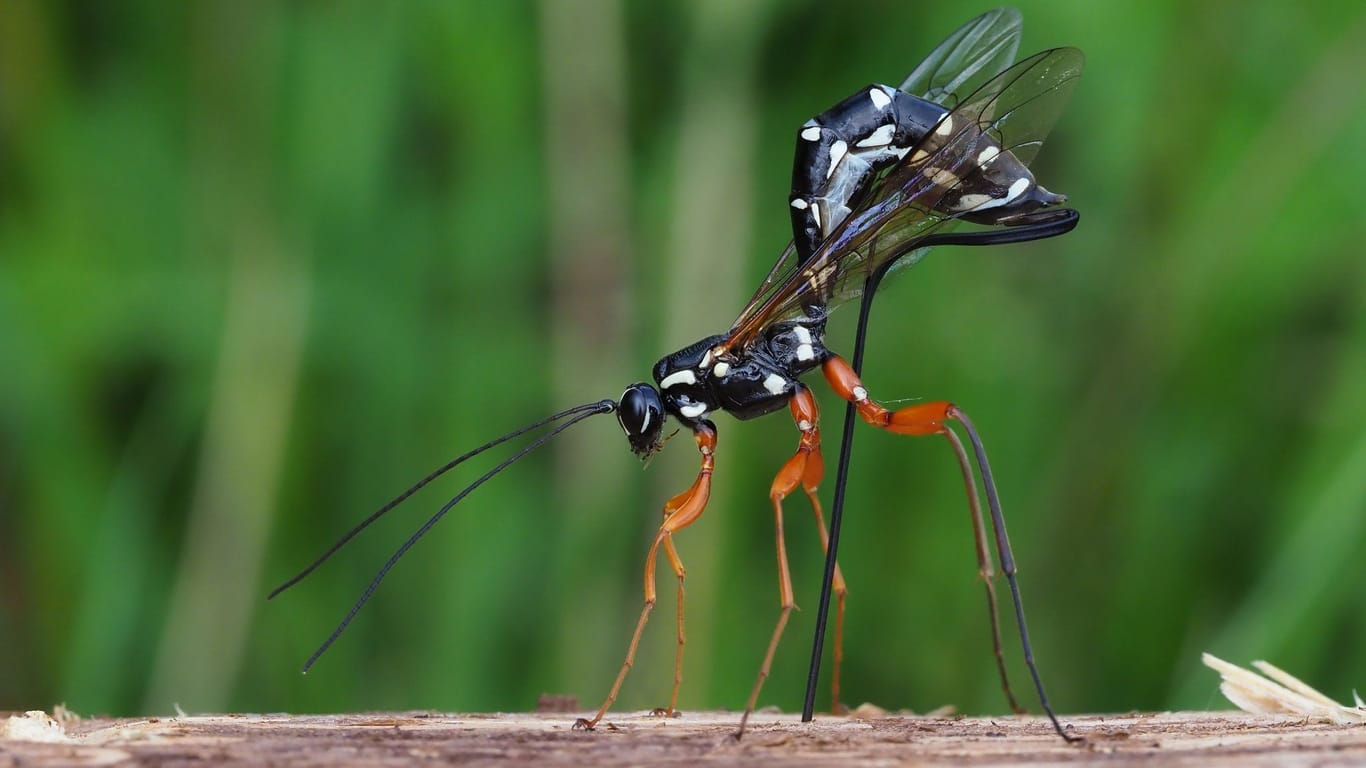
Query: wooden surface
{"x": 1177, "y": 739}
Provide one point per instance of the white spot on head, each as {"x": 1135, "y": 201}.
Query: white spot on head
{"x": 775, "y": 383}
{"x": 685, "y": 376}
{"x": 860, "y": 394}
{"x": 803, "y": 335}
{"x": 813, "y": 133}
{"x": 837, "y": 151}
{"x": 945, "y": 126}
{"x": 881, "y": 137}
{"x": 799, "y": 203}
{"x": 720, "y": 369}
{"x": 880, "y": 99}
{"x": 645, "y": 425}
{"x": 988, "y": 154}
{"x": 693, "y": 410}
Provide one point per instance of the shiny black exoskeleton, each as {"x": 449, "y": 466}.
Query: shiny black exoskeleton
{"x": 697, "y": 381}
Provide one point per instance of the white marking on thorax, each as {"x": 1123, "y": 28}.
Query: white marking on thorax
{"x": 720, "y": 369}
{"x": 804, "y": 349}
{"x": 685, "y": 376}
{"x": 812, "y": 133}
{"x": 881, "y": 137}
{"x": 775, "y": 384}
{"x": 880, "y": 99}
{"x": 837, "y": 151}
{"x": 693, "y": 411}
{"x": 816, "y": 214}
{"x": 799, "y": 203}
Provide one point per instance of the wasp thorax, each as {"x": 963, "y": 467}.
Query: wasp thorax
{"x": 641, "y": 415}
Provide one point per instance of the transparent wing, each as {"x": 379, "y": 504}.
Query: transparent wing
{"x": 1015, "y": 111}
{"x": 975, "y": 52}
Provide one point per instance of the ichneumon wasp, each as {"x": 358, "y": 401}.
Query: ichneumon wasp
{"x": 878, "y": 179}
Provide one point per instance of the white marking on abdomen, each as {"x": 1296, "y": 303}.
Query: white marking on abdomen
{"x": 775, "y": 383}
{"x": 837, "y": 151}
{"x": 685, "y": 376}
{"x": 988, "y": 154}
{"x": 980, "y": 202}
{"x": 941, "y": 176}
{"x": 879, "y": 138}
{"x": 1018, "y": 188}
{"x": 977, "y": 202}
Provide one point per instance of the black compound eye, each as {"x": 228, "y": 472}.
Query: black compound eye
{"x": 641, "y": 415}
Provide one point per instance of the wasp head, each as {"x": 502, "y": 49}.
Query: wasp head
{"x": 641, "y": 415}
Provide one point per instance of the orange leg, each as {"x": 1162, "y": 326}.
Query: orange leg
{"x": 840, "y": 588}
{"x": 928, "y": 419}
{"x": 806, "y": 468}
{"x": 677, "y": 564}
{"x": 680, "y": 512}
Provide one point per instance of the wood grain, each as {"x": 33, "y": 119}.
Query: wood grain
{"x": 705, "y": 738}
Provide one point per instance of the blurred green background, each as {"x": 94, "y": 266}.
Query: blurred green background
{"x": 263, "y": 265}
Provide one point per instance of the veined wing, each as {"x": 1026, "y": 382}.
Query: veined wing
{"x": 1012, "y": 113}
{"x": 961, "y": 63}
{"x": 976, "y": 52}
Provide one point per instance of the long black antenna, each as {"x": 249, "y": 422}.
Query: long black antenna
{"x": 582, "y": 412}
{"x": 448, "y": 466}
{"x": 1058, "y": 222}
